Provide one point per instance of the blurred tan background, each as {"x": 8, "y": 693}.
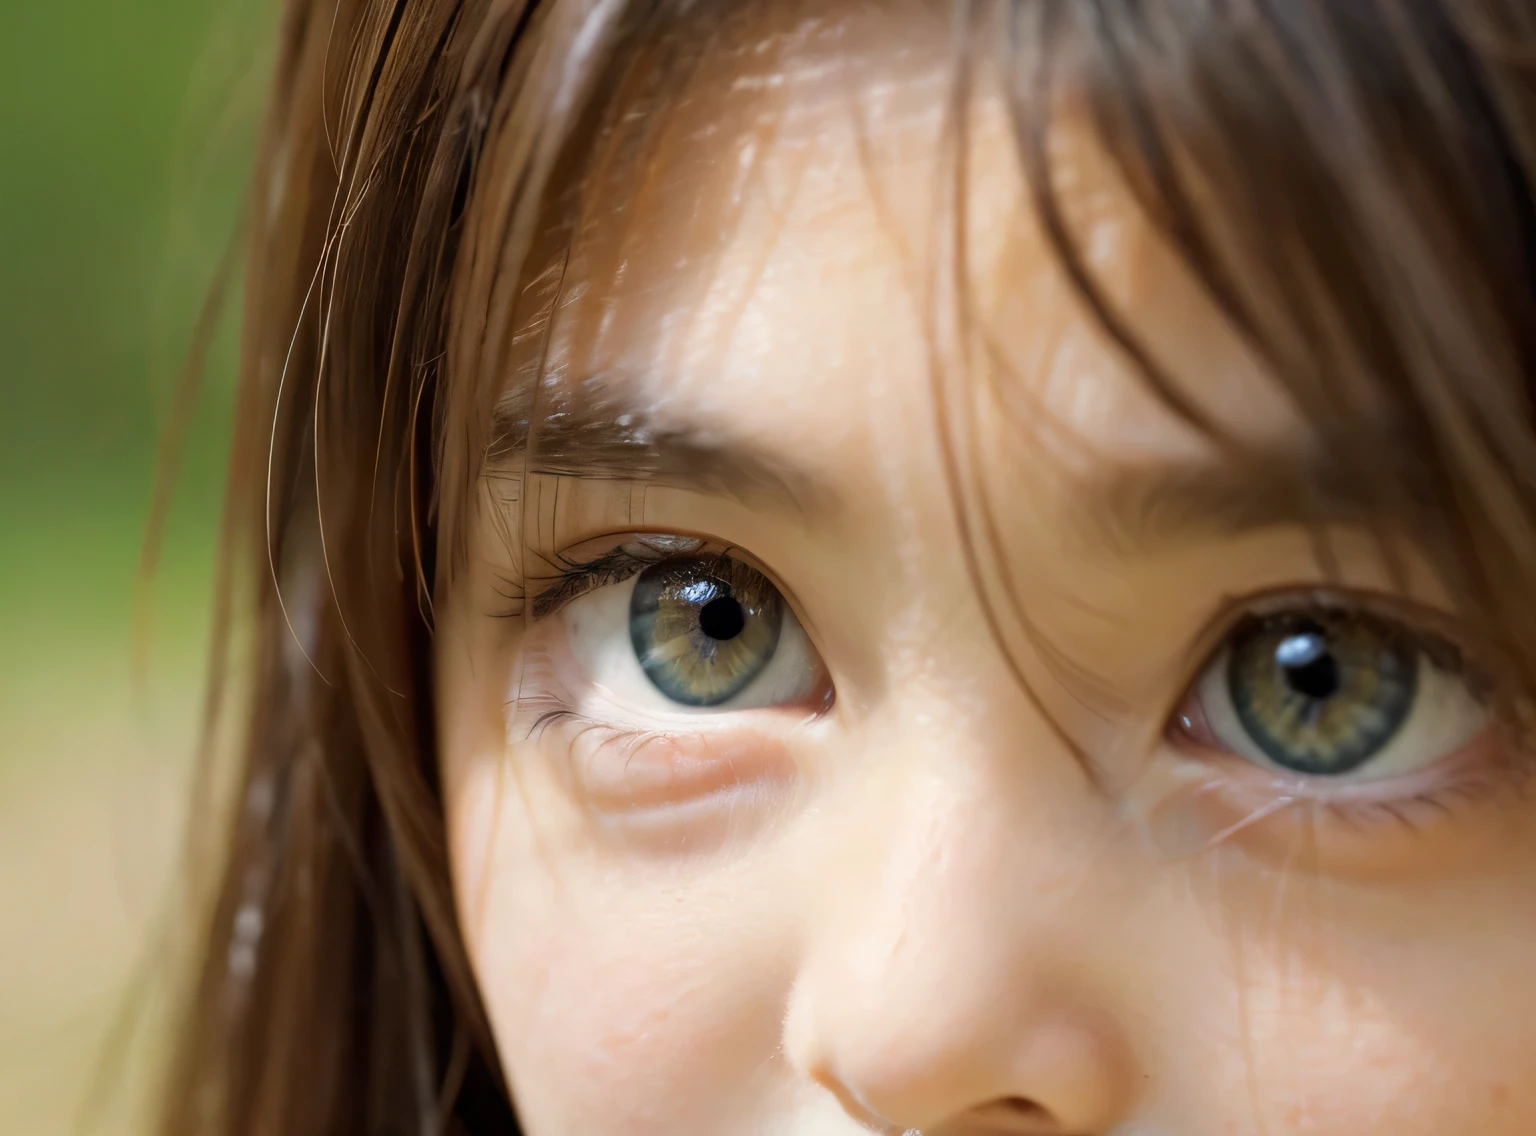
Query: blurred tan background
{"x": 125, "y": 136}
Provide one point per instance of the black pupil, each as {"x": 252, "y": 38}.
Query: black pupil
{"x": 1310, "y": 668}
{"x": 722, "y": 618}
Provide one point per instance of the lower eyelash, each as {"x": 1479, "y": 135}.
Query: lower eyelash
{"x": 536, "y": 690}
{"x": 1406, "y": 812}
{"x": 1510, "y": 774}
{"x": 549, "y": 706}
{"x": 1414, "y": 812}
{"x": 549, "y": 712}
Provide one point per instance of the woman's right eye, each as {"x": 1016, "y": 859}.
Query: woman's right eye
{"x": 695, "y": 633}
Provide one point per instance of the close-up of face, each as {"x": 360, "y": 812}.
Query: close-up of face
{"x": 867, "y": 704}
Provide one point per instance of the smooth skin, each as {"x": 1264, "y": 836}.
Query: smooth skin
{"x": 966, "y": 878}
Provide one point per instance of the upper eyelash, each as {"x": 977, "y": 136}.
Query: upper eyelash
{"x": 1445, "y": 653}
{"x": 1439, "y": 643}
{"x": 575, "y": 579}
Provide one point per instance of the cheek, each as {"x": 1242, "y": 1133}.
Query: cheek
{"x": 631, "y": 997}
{"x": 597, "y": 1028}
{"x": 1413, "y": 1017}
{"x": 1353, "y": 1063}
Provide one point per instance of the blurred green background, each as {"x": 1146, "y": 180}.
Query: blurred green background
{"x": 125, "y": 139}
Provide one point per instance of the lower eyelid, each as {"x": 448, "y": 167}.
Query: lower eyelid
{"x": 1465, "y": 816}
{"x": 1193, "y": 731}
{"x": 617, "y": 770}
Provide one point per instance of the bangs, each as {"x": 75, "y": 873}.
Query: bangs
{"x": 1347, "y": 183}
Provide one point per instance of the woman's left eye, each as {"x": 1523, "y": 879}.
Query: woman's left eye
{"x": 1334, "y": 694}
{"x": 700, "y": 632}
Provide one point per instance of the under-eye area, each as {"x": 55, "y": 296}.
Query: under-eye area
{"x": 664, "y": 775}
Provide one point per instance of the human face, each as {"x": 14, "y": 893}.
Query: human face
{"x": 1145, "y": 817}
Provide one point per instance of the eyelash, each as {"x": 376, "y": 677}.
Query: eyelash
{"x": 1469, "y": 788}
{"x": 1435, "y": 634}
{"x": 550, "y": 710}
{"x": 570, "y": 581}
{"x": 575, "y": 579}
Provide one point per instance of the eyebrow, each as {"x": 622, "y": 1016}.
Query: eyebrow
{"x": 605, "y": 436}
{"x": 1155, "y": 506}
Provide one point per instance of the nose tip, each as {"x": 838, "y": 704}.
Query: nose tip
{"x": 946, "y": 984}
{"x": 1048, "y": 1070}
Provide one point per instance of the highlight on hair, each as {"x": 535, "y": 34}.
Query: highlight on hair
{"x": 1349, "y": 181}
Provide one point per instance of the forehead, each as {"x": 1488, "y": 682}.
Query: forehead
{"x": 800, "y": 233}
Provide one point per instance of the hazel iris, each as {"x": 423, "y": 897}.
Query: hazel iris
{"x": 704, "y": 628}
{"x": 1322, "y": 693}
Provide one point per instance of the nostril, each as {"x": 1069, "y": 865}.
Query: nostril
{"x": 1019, "y": 1104}
{"x": 1018, "y": 1116}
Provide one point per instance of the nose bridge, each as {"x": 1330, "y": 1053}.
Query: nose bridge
{"x": 941, "y": 974}
{"x": 912, "y": 942}
{"x": 957, "y": 828}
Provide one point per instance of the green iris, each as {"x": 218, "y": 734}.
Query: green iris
{"x": 703, "y": 629}
{"x": 1323, "y": 692}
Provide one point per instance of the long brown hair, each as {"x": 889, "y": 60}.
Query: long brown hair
{"x": 1349, "y": 181}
